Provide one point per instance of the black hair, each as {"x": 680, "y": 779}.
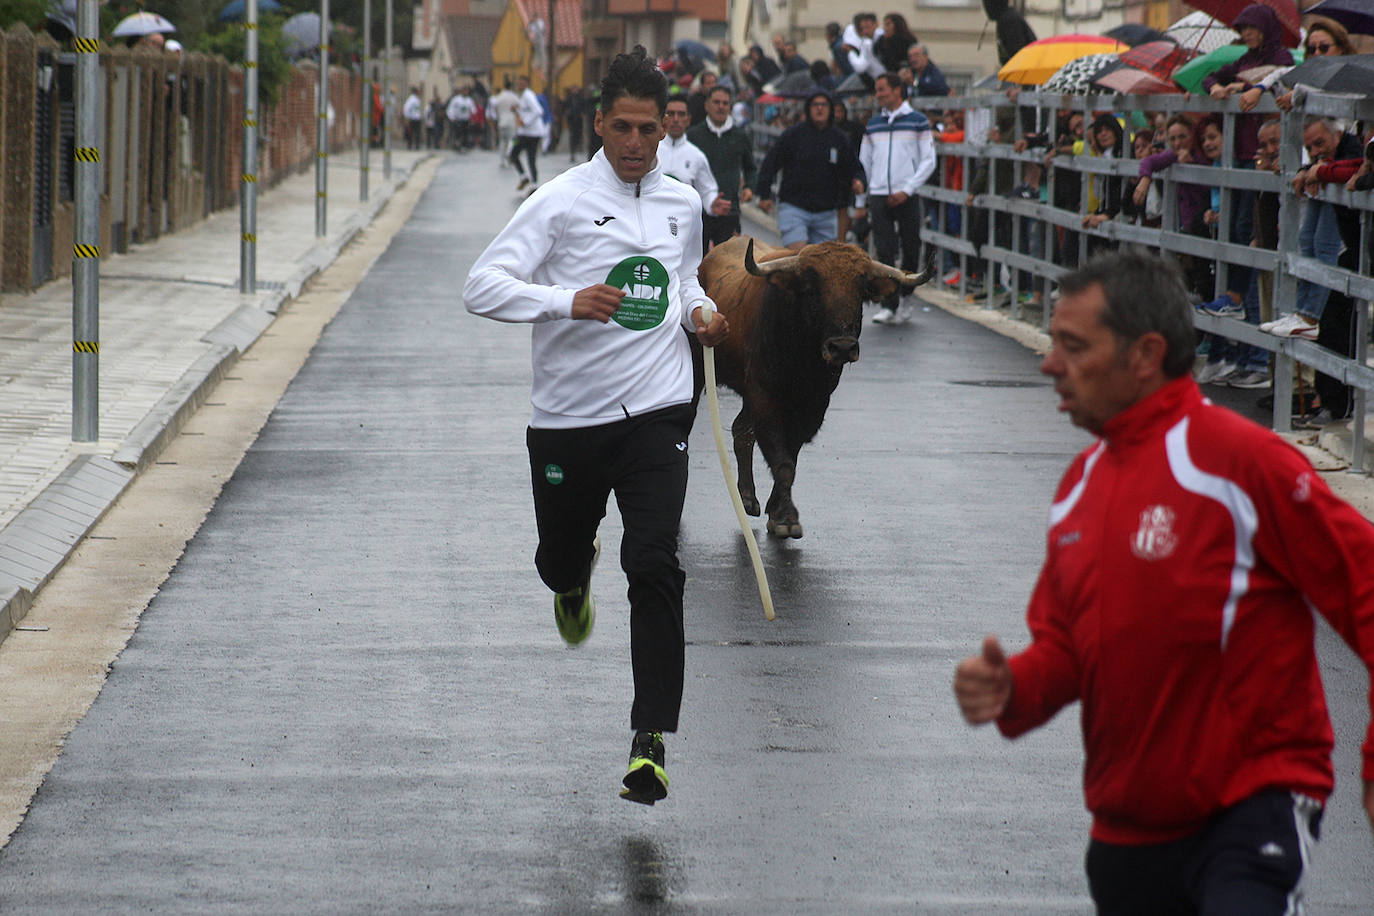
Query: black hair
{"x": 893, "y": 80}
{"x": 637, "y": 76}
{"x": 1145, "y": 294}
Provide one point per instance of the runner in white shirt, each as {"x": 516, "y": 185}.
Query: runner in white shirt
{"x": 680, "y": 158}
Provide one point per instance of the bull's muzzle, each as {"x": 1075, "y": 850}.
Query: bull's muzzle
{"x": 840, "y": 350}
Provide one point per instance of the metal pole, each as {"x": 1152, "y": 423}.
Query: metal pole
{"x": 387, "y": 99}
{"x": 86, "y": 251}
{"x": 322, "y": 127}
{"x": 366, "y": 110}
{"x": 248, "y": 190}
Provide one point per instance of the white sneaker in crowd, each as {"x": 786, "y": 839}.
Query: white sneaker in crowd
{"x": 884, "y": 315}
{"x": 903, "y": 314}
{"x": 1215, "y": 372}
{"x": 1252, "y": 379}
{"x": 1294, "y": 325}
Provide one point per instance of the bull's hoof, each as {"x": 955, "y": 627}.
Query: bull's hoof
{"x": 751, "y": 505}
{"x": 784, "y": 529}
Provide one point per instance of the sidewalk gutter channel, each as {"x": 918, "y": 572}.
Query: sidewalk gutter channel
{"x": 38, "y": 541}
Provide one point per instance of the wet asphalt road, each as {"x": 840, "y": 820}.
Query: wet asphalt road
{"x": 350, "y": 696}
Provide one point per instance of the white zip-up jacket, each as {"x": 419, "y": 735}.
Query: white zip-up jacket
{"x": 684, "y": 160}
{"x": 583, "y": 228}
{"x": 898, "y": 151}
{"x": 530, "y": 115}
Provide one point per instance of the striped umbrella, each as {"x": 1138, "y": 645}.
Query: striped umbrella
{"x": 1039, "y": 60}
{"x": 1132, "y": 81}
{"x": 1158, "y": 57}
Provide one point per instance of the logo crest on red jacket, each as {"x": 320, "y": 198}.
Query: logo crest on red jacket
{"x": 1155, "y": 538}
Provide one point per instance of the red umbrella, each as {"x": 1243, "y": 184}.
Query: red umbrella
{"x": 1159, "y": 58}
{"x": 1131, "y": 81}
{"x": 1228, "y": 10}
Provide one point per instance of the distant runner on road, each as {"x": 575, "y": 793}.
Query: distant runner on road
{"x": 602, "y": 260}
{"x": 1187, "y": 551}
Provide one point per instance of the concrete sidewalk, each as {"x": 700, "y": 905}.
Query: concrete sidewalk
{"x": 172, "y": 323}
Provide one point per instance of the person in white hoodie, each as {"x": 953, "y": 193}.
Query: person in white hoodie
{"x": 602, "y": 260}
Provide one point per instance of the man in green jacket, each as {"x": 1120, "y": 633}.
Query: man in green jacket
{"x": 729, "y": 150}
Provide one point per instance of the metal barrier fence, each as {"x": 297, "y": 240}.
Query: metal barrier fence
{"x": 1286, "y": 264}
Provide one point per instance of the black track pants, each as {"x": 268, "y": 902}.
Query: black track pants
{"x": 530, "y": 147}
{"x": 1251, "y": 858}
{"x": 644, "y": 461}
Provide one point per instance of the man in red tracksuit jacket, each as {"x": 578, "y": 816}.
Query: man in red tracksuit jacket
{"x": 1187, "y": 549}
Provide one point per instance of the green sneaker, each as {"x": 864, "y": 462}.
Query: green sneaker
{"x": 646, "y": 781}
{"x": 575, "y": 611}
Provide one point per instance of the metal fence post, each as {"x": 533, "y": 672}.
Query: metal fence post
{"x": 322, "y": 127}
{"x": 248, "y": 193}
{"x": 1361, "y": 308}
{"x": 86, "y": 251}
{"x": 366, "y": 110}
{"x": 389, "y": 102}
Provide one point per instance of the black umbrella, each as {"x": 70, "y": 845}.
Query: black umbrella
{"x": 1135, "y": 33}
{"x": 1013, "y": 34}
{"x": 234, "y": 10}
{"x": 855, "y": 84}
{"x": 797, "y": 85}
{"x": 1350, "y": 73}
{"x": 1355, "y": 15}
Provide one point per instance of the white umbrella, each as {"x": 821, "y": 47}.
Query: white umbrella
{"x": 1201, "y": 33}
{"x": 141, "y": 23}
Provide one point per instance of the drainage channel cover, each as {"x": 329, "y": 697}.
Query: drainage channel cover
{"x": 999, "y": 383}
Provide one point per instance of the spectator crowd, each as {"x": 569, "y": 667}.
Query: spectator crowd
{"x": 843, "y": 155}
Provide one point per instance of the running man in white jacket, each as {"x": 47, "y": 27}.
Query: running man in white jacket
{"x": 602, "y": 260}
{"x": 684, "y": 160}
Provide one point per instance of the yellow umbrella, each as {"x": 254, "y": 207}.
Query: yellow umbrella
{"x": 1040, "y": 60}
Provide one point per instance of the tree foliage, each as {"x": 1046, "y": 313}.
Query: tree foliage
{"x": 274, "y": 70}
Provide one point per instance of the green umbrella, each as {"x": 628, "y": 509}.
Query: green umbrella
{"x": 1191, "y": 74}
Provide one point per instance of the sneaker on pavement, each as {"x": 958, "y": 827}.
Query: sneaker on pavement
{"x": 646, "y": 781}
{"x": 884, "y": 315}
{"x": 902, "y": 315}
{"x": 575, "y": 611}
{"x": 1319, "y": 419}
{"x": 1215, "y": 372}
{"x": 524, "y": 183}
{"x": 952, "y": 278}
{"x": 1252, "y": 379}
{"x": 1224, "y": 307}
{"x": 1294, "y": 325}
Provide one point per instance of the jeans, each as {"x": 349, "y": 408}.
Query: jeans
{"x": 796, "y": 224}
{"x": 1318, "y": 238}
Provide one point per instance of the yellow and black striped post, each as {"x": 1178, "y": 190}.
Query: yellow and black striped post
{"x": 248, "y": 188}
{"x": 86, "y": 251}
{"x": 322, "y": 128}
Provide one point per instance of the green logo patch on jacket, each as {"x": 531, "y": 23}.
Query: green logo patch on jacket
{"x": 645, "y": 284}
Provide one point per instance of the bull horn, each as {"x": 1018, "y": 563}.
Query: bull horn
{"x": 879, "y": 269}
{"x": 777, "y": 265}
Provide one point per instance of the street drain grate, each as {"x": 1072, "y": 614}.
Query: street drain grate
{"x": 999, "y": 383}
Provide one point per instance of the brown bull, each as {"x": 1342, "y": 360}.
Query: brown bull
{"x": 794, "y": 324}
